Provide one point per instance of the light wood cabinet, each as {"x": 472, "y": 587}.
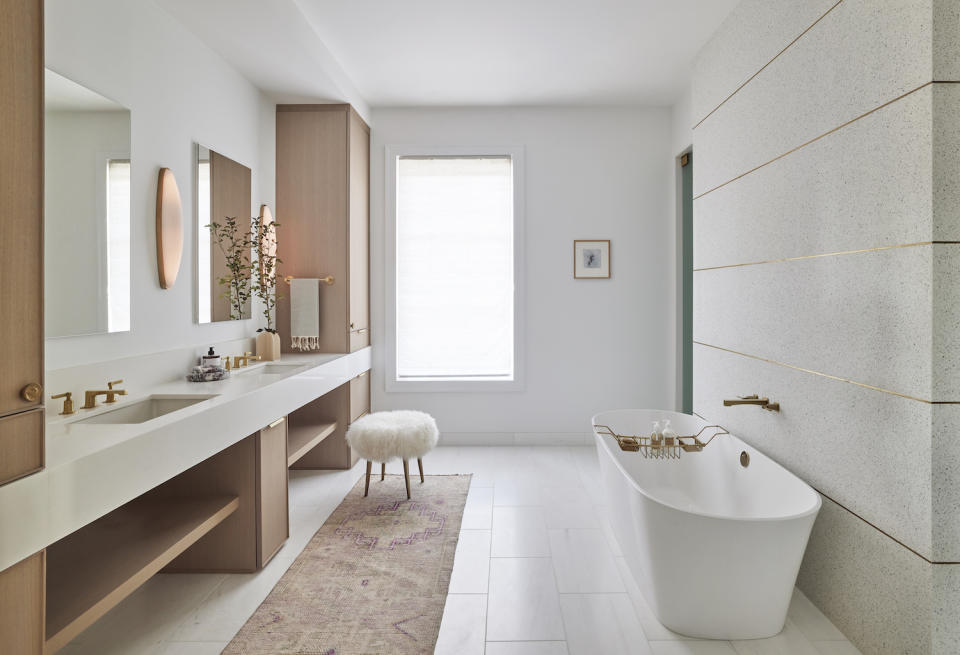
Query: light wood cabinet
{"x": 21, "y": 606}
{"x": 21, "y": 234}
{"x": 359, "y": 396}
{"x": 273, "y": 517}
{"x": 255, "y": 472}
{"x": 21, "y": 444}
{"x": 323, "y": 190}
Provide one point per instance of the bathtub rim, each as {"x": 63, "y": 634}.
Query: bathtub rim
{"x": 607, "y": 444}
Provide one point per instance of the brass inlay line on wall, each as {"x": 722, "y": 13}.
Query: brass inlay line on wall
{"x": 750, "y": 79}
{"x": 815, "y": 139}
{"x": 879, "y": 529}
{"x": 828, "y": 254}
{"x": 831, "y": 377}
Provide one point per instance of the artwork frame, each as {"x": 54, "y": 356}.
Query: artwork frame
{"x": 591, "y": 259}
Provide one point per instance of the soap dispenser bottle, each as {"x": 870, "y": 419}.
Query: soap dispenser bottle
{"x": 669, "y": 435}
{"x": 210, "y": 359}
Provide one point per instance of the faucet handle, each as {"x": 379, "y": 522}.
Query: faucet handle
{"x": 67, "y": 402}
{"x": 110, "y": 384}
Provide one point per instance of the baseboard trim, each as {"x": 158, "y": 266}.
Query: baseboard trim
{"x": 515, "y": 439}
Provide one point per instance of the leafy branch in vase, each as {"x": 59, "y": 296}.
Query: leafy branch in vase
{"x": 235, "y": 244}
{"x": 265, "y": 269}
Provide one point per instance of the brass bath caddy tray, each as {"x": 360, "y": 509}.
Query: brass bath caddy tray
{"x": 656, "y": 447}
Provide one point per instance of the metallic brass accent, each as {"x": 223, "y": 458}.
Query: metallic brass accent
{"x": 67, "y": 403}
{"x": 112, "y": 396}
{"x": 326, "y": 279}
{"x": 277, "y": 422}
{"x": 90, "y": 397}
{"x": 244, "y": 359}
{"x": 362, "y": 374}
{"x": 31, "y": 392}
{"x": 814, "y": 139}
{"x": 827, "y": 375}
{"x": 763, "y": 403}
{"x": 656, "y": 447}
{"x": 762, "y": 68}
{"x": 744, "y": 459}
{"x": 827, "y": 254}
{"x": 226, "y": 362}
{"x": 684, "y": 159}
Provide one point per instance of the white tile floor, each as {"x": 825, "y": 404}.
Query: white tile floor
{"x": 537, "y": 572}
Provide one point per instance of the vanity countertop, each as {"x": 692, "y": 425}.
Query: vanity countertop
{"x": 93, "y": 468}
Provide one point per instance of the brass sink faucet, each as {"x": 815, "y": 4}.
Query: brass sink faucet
{"x": 244, "y": 359}
{"x": 90, "y": 397}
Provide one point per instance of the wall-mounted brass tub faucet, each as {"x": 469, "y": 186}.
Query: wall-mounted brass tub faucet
{"x": 763, "y": 403}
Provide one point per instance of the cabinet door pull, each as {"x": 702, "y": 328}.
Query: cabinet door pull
{"x": 31, "y": 392}
{"x": 277, "y": 422}
{"x": 362, "y": 374}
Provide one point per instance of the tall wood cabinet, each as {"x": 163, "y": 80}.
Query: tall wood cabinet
{"x": 323, "y": 189}
{"x": 21, "y": 238}
{"x": 21, "y": 299}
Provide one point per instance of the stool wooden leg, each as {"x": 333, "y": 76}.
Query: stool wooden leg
{"x": 366, "y": 487}
{"x": 420, "y": 464}
{"x": 383, "y": 470}
{"x": 406, "y": 476}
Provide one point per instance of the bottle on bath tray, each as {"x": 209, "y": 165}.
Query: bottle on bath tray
{"x": 668, "y": 433}
{"x": 656, "y": 436}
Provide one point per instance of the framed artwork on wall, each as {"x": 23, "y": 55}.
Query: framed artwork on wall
{"x": 591, "y": 259}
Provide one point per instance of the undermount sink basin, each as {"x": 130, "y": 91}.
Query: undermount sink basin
{"x": 146, "y": 409}
{"x": 270, "y": 369}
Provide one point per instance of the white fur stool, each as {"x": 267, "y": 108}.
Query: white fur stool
{"x": 383, "y": 436}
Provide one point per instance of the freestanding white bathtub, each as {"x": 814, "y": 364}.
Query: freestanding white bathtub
{"x": 714, "y": 546}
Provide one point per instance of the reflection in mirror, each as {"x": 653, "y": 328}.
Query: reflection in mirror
{"x": 223, "y": 253}
{"x": 86, "y": 211}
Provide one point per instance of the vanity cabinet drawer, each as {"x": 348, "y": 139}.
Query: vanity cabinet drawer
{"x": 272, "y": 510}
{"x": 21, "y": 445}
{"x": 359, "y": 395}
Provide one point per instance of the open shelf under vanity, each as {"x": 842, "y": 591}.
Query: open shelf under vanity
{"x": 93, "y": 569}
{"x": 303, "y": 436}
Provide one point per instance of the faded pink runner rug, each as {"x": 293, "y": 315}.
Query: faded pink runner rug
{"x": 372, "y": 580}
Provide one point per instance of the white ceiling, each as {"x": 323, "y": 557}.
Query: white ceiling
{"x": 516, "y": 52}
{"x": 459, "y": 52}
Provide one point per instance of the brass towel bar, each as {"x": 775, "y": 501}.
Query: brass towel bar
{"x": 327, "y": 279}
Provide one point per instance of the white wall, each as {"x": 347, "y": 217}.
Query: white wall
{"x": 591, "y": 173}
{"x": 179, "y": 92}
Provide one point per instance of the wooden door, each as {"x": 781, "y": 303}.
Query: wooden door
{"x": 273, "y": 517}
{"x": 21, "y": 196}
{"x": 359, "y": 233}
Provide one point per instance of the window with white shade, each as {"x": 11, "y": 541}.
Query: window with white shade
{"x": 455, "y": 241}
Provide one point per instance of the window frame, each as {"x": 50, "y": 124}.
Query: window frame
{"x": 392, "y": 155}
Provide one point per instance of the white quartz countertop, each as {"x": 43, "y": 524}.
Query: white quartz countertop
{"x": 93, "y": 468}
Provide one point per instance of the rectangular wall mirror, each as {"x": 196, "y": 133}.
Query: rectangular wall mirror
{"x": 223, "y": 198}
{"x": 86, "y": 211}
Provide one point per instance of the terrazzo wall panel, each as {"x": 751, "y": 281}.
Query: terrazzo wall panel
{"x": 827, "y": 257}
